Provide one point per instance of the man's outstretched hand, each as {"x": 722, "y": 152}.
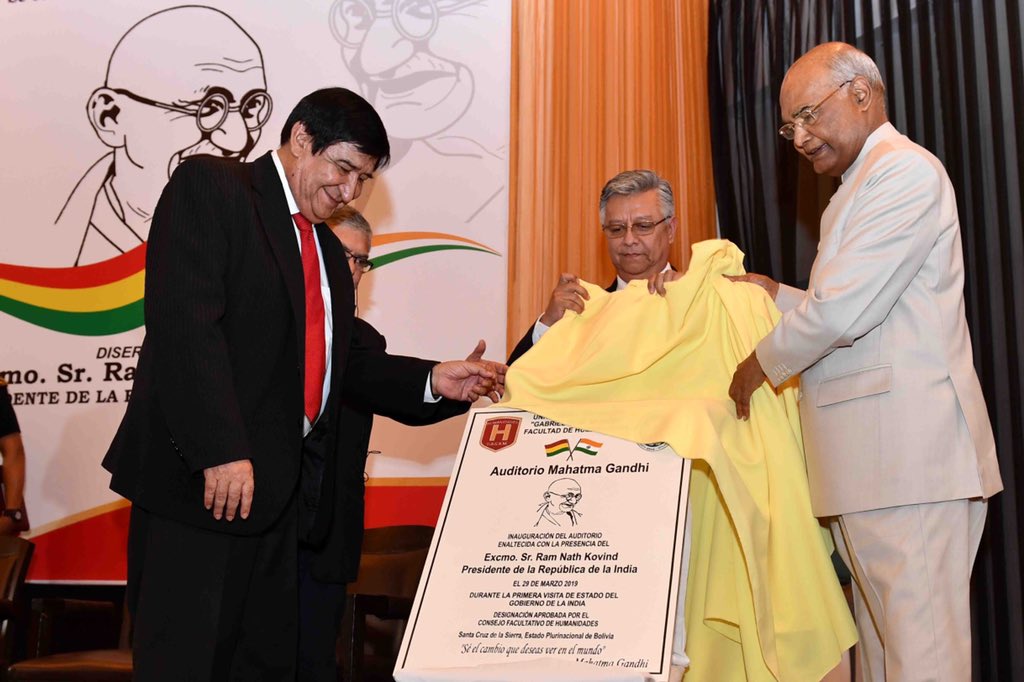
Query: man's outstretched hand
{"x": 469, "y": 380}
{"x": 478, "y": 352}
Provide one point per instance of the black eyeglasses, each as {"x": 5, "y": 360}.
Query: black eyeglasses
{"x": 642, "y": 229}
{"x": 808, "y": 115}
{"x": 213, "y": 110}
{"x": 362, "y": 262}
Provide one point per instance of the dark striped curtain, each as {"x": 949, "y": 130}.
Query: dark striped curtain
{"x": 954, "y": 72}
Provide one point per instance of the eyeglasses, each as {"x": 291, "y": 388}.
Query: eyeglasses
{"x": 415, "y": 20}
{"x": 362, "y": 262}
{"x": 618, "y": 230}
{"x": 569, "y": 497}
{"x": 808, "y": 115}
{"x": 213, "y": 110}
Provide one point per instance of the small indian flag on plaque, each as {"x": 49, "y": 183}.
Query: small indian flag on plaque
{"x": 557, "y": 448}
{"x": 587, "y": 447}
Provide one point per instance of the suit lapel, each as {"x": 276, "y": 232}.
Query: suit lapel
{"x": 277, "y": 223}
{"x": 339, "y": 278}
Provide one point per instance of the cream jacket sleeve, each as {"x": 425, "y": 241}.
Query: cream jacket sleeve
{"x": 892, "y": 226}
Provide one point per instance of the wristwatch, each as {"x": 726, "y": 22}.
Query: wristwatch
{"x": 15, "y": 515}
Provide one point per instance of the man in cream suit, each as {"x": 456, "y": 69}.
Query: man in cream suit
{"x": 900, "y": 452}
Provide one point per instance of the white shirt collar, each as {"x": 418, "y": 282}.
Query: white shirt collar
{"x": 621, "y": 284}
{"x": 293, "y": 207}
{"x": 882, "y": 132}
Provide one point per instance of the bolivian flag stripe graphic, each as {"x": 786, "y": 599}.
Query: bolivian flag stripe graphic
{"x": 106, "y": 298}
{"x": 557, "y": 448}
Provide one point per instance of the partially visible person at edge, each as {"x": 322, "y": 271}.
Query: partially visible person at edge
{"x": 230, "y": 439}
{"x": 14, "y": 517}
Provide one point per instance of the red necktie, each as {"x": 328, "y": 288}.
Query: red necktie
{"x": 316, "y": 352}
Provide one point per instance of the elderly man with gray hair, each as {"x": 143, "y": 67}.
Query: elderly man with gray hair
{"x": 900, "y": 453}
{"x": 637, "y": 212}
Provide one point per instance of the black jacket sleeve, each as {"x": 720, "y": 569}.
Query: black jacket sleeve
{"x": 525, "y": 344}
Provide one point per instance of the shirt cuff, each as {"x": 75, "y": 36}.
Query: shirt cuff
{"x": 428, "y": 394}
{"x": 539, "y": 329}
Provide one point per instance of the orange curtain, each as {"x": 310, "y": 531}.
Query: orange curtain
{"x": 598, "y": 87}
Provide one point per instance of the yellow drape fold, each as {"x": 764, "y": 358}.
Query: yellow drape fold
{"x": 763, "y": 602}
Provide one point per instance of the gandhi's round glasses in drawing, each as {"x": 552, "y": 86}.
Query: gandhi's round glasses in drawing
{"x": 213, "y": 109}
{"x": 641, "y": 229}
{"x": 808, "y": 115}
{"x": 413, "y": 19}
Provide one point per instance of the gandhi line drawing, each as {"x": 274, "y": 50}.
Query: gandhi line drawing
{"x": 182, "y": 82}
{"x": 399, "y": 53}
{"x": 559, "y": 505}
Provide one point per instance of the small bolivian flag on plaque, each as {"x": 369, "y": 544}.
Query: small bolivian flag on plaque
{"x": 557, "y": 448}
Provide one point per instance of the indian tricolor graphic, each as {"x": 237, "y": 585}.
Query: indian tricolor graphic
{"x": 587, "y": 447}
{"x": 106, "y": 298}
{"x": 558, "y": 447}
{"x": 433, "y": 241}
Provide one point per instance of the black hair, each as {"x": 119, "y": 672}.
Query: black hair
{"x": 335, "y": 115}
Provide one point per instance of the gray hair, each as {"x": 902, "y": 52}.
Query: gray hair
{"x": 847, "y": 62}
{"x": 350, "y": 217}
{"x": 850, "y": 62}
{"x": 632, "y": 182}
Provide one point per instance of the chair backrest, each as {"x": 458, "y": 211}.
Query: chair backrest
{"x": 15, "y": 556}
{"x": 61, "y": 625}
{"x": 392, "y": 560}
{"x": 389, "y": 573}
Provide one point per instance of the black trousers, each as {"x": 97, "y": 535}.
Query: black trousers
{"x": 210, "y": 606}
{"x": 320, "y": 612}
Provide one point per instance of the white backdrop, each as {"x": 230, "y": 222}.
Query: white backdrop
{"x": 436, "y": 70}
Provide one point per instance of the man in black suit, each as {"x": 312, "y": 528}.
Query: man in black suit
{"x": 247, "y": 355}
{"x": 638, "y": 220}
{"x": 325, "y": 568}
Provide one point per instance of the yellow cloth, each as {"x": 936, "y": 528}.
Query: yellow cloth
{"x": 763, "y": 602}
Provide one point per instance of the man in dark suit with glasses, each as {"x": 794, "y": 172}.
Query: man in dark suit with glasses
{"x": 637, "y": 212}
{"x": 332, "y": 561}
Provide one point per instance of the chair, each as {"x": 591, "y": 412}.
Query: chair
{"x": 389, "y": 572}
{"x": 15, "y": 556}
{"x": 74, "y": 640}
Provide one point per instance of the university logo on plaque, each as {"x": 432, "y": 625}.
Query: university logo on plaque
{"x": 499, "y": 433}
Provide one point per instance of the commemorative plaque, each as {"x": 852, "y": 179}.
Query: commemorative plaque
{"x": 552, "y": 543}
